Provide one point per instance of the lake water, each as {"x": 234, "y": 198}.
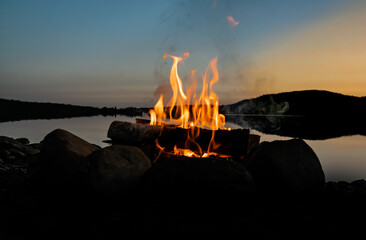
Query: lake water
{"x": 342, "y": 158}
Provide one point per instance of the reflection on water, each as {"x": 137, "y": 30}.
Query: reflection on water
{"x": 92, "y": 129}
{"x": 314, "y": 128}
{"x": 342, "y": 158}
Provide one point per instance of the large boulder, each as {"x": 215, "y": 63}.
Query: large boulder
{"x": 117, "y": 169}
{"x": 63, "y": 159}
{"x": 197, "y": 184}
{"x": 289, "y": 166}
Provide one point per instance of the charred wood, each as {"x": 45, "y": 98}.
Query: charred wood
{"x": 235, "y": 143}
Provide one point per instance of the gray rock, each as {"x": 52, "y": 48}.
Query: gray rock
{"x": 360, "y": 187}
{"x": 16, "y": 153}
{"x": 5, "y": 153}
{"x": 24, "y": 141}
{"x": 63, "y": 159}
{"x": 285, "y": 167}
{"x": 13, "y": 149}
{"x": 30, "y": 151}
{"x": 10, "y": 143}
{"x": 118, "y": 168}
{"x": 10, "y": 158}
{"x": 35, "y": 146}
{"x": 198, "y": 182}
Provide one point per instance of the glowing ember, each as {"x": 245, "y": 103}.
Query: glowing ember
{"x": 191, "y": 111}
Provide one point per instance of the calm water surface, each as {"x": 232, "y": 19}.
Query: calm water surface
{"x": 342, "y": 158}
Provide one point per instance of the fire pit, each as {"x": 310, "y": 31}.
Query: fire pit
{"x": 189, "y": 125}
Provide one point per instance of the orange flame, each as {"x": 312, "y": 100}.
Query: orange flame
{"x": 158, "y": 113}
{"x": 231, "y": 20}
{"x": 190, "y": 110}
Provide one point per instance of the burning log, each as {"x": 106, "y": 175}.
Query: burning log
{"x": 234, "y": 143}
{"x": 132, "y": 133}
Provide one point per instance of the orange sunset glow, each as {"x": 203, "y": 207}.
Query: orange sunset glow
{"x": 327, "y": 53}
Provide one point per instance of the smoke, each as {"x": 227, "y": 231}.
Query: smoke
{"x": 196, "y": 22}
{"x": 327, "y": 52}
{"x": 204, "y": 29}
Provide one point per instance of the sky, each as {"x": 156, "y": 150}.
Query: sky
{"x": 110, "y": 53}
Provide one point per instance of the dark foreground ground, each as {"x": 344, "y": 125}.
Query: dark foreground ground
{"x": 32, "y": 210}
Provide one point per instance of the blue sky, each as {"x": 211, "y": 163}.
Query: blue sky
{"x": 110, "y": 53}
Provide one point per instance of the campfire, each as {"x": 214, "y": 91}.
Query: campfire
{"x": 190, "y": 124}
{"x": 191, "y": 111}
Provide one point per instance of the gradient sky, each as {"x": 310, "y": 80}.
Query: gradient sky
{"x": 110, "y": 53}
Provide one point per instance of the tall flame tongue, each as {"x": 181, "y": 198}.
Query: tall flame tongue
{"x": 191, "y": 111}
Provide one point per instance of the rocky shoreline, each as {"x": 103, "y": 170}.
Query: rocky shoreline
{"x": 66, "y": 187}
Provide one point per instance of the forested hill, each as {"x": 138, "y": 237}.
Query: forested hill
{"x": 14, "y": 110}
{"x": 310, "y": 114}
{"x": 305, "y": 103}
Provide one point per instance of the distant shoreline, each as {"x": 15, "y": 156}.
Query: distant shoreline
{"x": 16, "y": 110}
{"x": 310, "y": 114}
